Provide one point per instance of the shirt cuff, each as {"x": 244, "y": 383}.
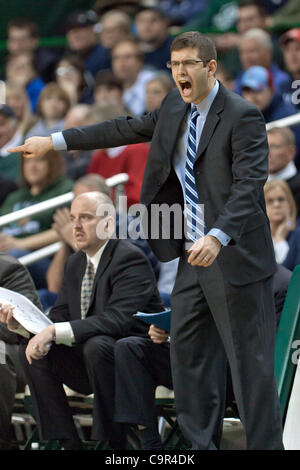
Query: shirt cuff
{"x": 64, "y": 334}
{"x": 58, "y": 140}
{"x": 223, "y": 238}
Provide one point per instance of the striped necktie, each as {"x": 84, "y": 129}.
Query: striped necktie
{"x": 193, "y": 211}
{"x": 86, "y": 288}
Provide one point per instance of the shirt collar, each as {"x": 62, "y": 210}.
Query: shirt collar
{"x": 287, "y": 172}
{"x": 95, "y": 259}
{"x": 204, "y": 106}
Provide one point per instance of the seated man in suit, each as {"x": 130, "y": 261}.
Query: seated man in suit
{"x": 105, "y": 283}
{"x": 13, "y": 276}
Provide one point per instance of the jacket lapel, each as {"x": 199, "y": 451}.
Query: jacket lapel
{"x": 211, "y": 121}
{"x": 177, "y": 114}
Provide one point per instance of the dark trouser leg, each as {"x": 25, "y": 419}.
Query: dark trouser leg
{"x": 198, "y": 362}
{"x": 99, "y": 359}
{"x": 141, "y": 366}
{"x": 62, "y": 365}
{"x": 12, "y": 380}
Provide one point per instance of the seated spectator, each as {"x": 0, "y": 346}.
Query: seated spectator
{"x": 82, "y": 39}
{"x": 156, "y": 89}
{"x": 141, "y": 365}
{"x": 152, "y": 25}
{"x": 23, "y": 36}
{"x": 71, "y": 76}
{"x": 108, "y": 88}
{"x": 9, "y": 136}
{"x": 115, "y": 26}
{"x": 41, "y": 179}
{"x": 21, "y": 69}
{"x": 281, "y": 160}
{"x": 128, "y": 66}
{"x": 52, "y": 107}
{"x": 255, "y": 49}
{"x": 13, "y": 276}
{"x": 282, "y": 211}
{"x": 77, "y": 160}
{"x": 257, "y": 87}
{"x": 18, "y": 101}
{"x": 88, "y": 320}
{"x": 224, "y": 76}
{"x": 130, "y": 159}
{"x": 181, "y": 12}
{"x": 290, "y": 42}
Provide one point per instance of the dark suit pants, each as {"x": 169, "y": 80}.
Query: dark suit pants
{"x": 140, "y": 366}
{"x": 12, "y": 381}
{"x": 86, "y": 368}
{"x": 213, "y": 321}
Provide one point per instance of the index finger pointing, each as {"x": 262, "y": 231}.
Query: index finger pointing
{"x": 20, "y": 148}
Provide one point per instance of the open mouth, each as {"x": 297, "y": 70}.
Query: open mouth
{"x": 186, "y": 87}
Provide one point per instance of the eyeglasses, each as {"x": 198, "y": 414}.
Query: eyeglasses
{"x": 189, "y": 63}
{"x": 279, "y": 199}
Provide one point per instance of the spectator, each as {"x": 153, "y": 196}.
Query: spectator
{"x": 71, "y": 76}
{"x": 13, "y": 276}
{"x": 127, "y": 65}
{"x": 115, "y": 26}
{"x": 130, "y": 159}
{"x": 290, "y": 43}
{"x": 52, "y": 107}
{"x": 122, "y": 284}
{"x": 21, "y": 69}
{"x": 181, "y": 12}
{"x": 257, "y": 87}
{"x": 108, "y": 88}
{"x": 41, "y": 179}
{"x": 282, "y": 211}
{"x": 256, "y": 48}
{"x": 286, "y": 14}
{"x": 77, "y": 160}
{"x": 152, "y": 33}
{"x": 17, "y": 100}
{"x": 9, "y": 135}
{"x": 281, "y": 160}
{"x": 23, "y": 36}
{"x": 224, "y": 76}
{"x": 156, "y": 89}
{"x": 82, "y": 39}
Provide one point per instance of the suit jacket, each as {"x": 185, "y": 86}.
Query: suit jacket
{"x": 230, "y": 170}
{"x": 14, "y": 276}
{"x": 124, "y": 284}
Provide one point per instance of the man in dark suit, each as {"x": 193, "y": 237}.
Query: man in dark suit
{"x": 105, "y": 283}
{"x": 13, "y": 276}
{"x": 209, "y": 147}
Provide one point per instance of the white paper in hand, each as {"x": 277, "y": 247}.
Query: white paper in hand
{"x": 25, "y": 312}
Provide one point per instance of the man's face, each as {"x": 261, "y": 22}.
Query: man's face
{"x": 291, "y": 54}
{"x": 81, "y": 39}
{"x": 84, "y": 220}
{"x": 111, "y": 32}
{"x": 252, "y": 53}
{"x": 280, "y": 153}
{"x": 249, "y": 17}
{"x": 192, "y": 81}
{"x": 150, "y": 26}
{"x": 126, "y": 63}
{"x": 20, "y": 40}
{"x": 260, "y": 99}
{"x": 7, "y": 130}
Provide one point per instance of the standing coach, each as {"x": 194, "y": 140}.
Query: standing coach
{"x": 208, "y": 147}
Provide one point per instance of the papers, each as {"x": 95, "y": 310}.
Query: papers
{"x": 25, "y": 312}
{"x": 160, "y": 319}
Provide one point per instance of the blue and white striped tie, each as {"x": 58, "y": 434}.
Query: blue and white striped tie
{"x": 193, "y": 211}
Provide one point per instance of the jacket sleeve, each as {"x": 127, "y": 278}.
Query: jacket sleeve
{"x": 114, "y": 133}
{"x": 249, "y": 173}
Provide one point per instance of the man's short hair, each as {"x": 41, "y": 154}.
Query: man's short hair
{"x": 108, "y": 79}
{"x": 24, "y": 23}
{"x": 287, "y": 135}
{"x": 95, "y": 182}
{"x": 206, "y": 47}
{"x": 255, "y": 3}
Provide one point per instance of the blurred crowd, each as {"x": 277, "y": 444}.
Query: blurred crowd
{"x": 114, "y": 63}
